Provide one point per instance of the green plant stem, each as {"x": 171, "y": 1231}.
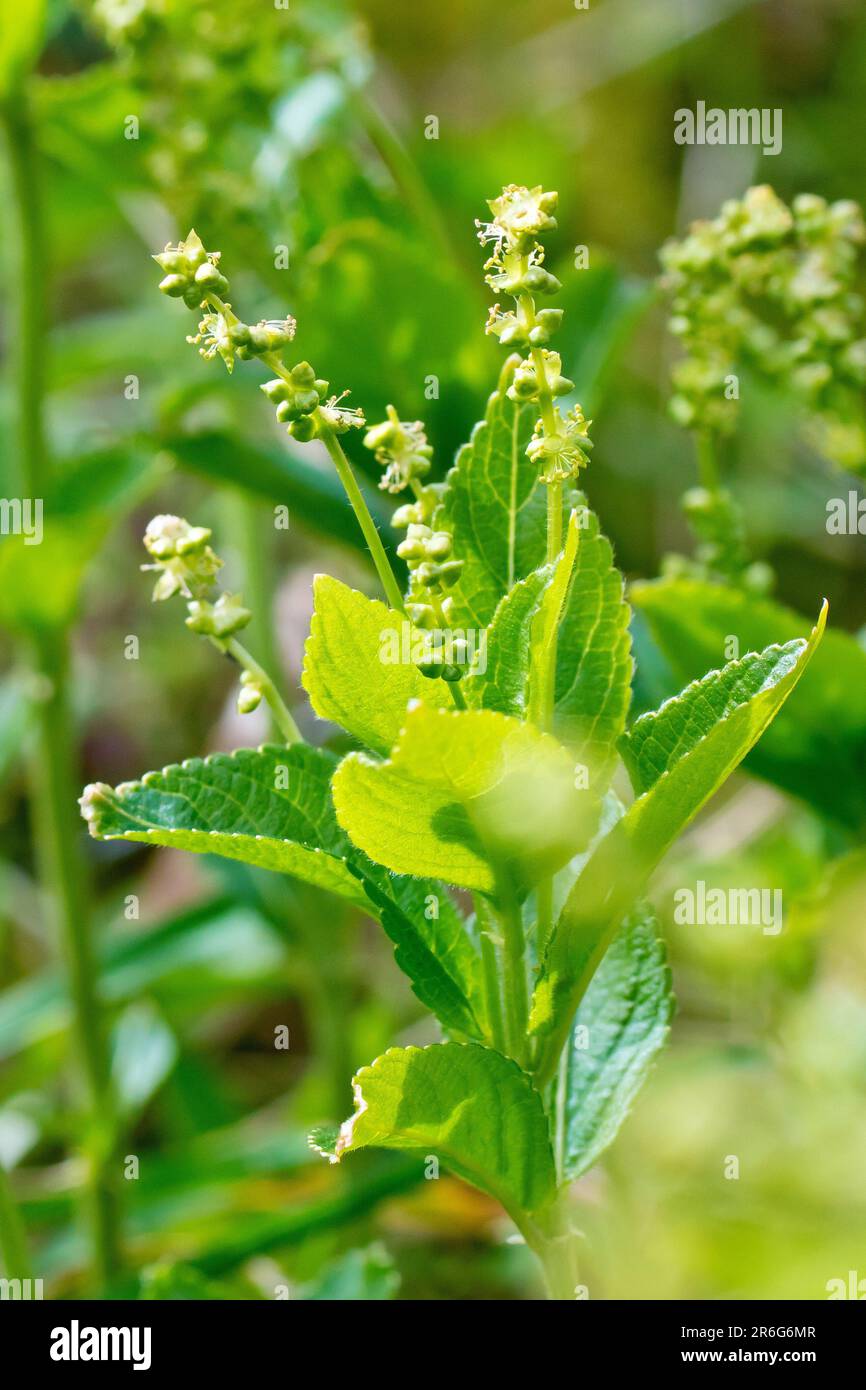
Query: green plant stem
{"x": 514, "y": 973}
{"x": 490, "y": 968}
{"x": 282, "y": 715}
{"x": 544, "y": 891}
{"x": 344, "y": 473}
{"x": 55, "y": 785}
{"x": 708, "y": 468}
{"x": 29, "y": 291}
{"x": 13, "y": 1242}
{"x": 53, "y": 771}
{"x": 556, "y": 1246}
{"x": 247, "y": 521}
{"x": 365, "y": 520}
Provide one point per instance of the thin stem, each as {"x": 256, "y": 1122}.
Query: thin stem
{"x": 53, "y": 771}
{"x": 29, "y": 288}
{"x": 456, "y": 694}
{"x": 708, "y": 468}
{"x": 13, "y": 1242}
{"x": 282, "y": 716}
{"x": 247, "y": 519}
{"x": 362, "y": 512}
{"x": 55, "y": 784}
{"x": 344, "y": 473}
{"x": 490, "y": 968}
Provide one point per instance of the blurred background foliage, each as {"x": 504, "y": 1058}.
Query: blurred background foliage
{"x": 303, "y": 132}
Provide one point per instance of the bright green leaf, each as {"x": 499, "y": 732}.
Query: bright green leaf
{"x": 582, "y": 596}
{"x": 817, "y": 748}
{"x": 470, "y": 1107}
{"x": 465, "y": 797}
{"x": 621, "y": 1024}
{"x": 354, "y": 671}
{"x": 495, "y": 507}
{"x": 679, "y": 756}
{"x": 433, "y": 948}
{"x": 270, "y": 807}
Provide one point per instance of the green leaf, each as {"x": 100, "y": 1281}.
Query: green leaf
{"x": 494, "y": 507}
{"x": 435, "y": 952}
{"x": 593, "y": 662}
{"x": 582, "y": 596}
{"x": 504, "y": 683}
{"x": 465, "y": 797}
{"x": 270, "y": 807}
{"x": 678, "y": 756}
{"x": 27, "y": 603}
{"x": 470, "y": 1107}
{"x": 144, "y": 1051}
{"x": 354, "y": 672}
{"x": 21, "y": 26}
{"x": 368, "y": 1276}
{"x": 816, "y": 749}
{"x": 621, "y": 1024}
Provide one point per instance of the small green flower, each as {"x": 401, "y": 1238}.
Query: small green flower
{"x": 401, "y": 447}
{"x": 191, "y": 272}
{"x": 221, "y": 619}
{"x": 526, "y": 385}
{"x": 182, "y": 557}
{"x": 563, "y": 454}
{"x": 250, "y": 694}
{"x": 519, "y": 215}
{"x": 298, "y": 395}
{"x": 214, "y": 338}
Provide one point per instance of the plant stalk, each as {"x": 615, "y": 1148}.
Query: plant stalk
{"x": 53, "y": 770}
{"x": 13, "y": 1242}
{"x": 280, "y": 711}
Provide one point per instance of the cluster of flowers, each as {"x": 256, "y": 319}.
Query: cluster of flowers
{"x": 401, "y": 448}
{"x": 772, "y": 288}
{"x": 185, "y": 564}
{"x": 721, "y": 553}
{"x": 560, "y": 445}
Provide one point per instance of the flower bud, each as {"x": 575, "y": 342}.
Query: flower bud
{"x": 221, "y": 619}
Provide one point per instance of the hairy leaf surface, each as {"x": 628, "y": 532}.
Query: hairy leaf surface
{"x": 621, "y": 1024}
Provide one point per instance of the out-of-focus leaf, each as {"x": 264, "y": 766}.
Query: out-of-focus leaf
{"x": 466, "y": 796}
{"x": 314, "y": 496}
{"x": 816, "y": 749}
{"x": 40, "y": 582}
{"x": 470, "y": 1106}
{"x": 368, "y": 1276}
{"x": 206, "y": 948}
{"x": 144, "y": 1050}
{"x": 678, "y": 756}
{"x": 21, "y": 24}
{"x": 180, "y": 1282}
